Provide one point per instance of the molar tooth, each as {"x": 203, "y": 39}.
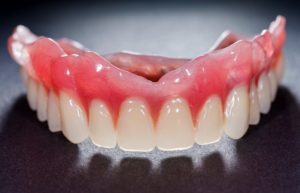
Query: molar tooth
{"x": 101, "y": 125}
{"x": 279, "y": 68}
{"x": 54, "y": 115}
{"x": 74, "y": 121}
{"x": 24, "y": 75}
{"x": 174, "y": 126}
{"x": 254, "y": 115}
{"x": 273, "y": 83}
{"x": 32, "y": 88}
{"x": 135, "y": 127}
{"x": 237, "y": 112}
{"x": 264, "y": 93}
{"x": 42, "y": 100}
{"x": 210, "y": 121}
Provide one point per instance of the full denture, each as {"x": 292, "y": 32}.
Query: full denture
{"x": 140, "y": 101}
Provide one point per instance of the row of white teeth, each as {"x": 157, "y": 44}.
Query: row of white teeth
{"x": 135, "y": 131}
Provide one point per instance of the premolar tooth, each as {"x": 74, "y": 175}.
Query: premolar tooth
{"x": 74, "y": 121}
{"x": 42, "y": 100}
{"x": 254, "y": 115}
{"x": 54, "y": 115}
{"x": 273, "y": 83}
{"x": 264, "y": 93}
{"x": 210, "y": 121}
{"x": 175, "y": 127}
{"x": 237, "y": 112}
{"x": 101, "y": 125}
{"x": 32, "y": 89}
{"x": 135, "y": 127}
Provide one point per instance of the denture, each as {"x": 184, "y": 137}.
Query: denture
{"x": 140, "y": 102}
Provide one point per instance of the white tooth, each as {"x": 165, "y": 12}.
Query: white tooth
{"x": 101, "y": 124}
{"x": 24, "y": 75}
{"x": 264, "y": 93}
{"x": 210, "y": 121}
{"x": 42, "y": 101}
{"x": 74, "y": 121}
{"x": 175, "y": 126}
{"x": 54, "y": 115}
{"x": 254, "y": 115}
{"x": 279, "y": 68}
{"x": 32, "y": 89}
{"x": 273, "y": 83}
{"x": 237, "y": 112}
{"x": 135, "y": 127}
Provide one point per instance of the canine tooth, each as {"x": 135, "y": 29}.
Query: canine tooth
{"x": 137, "y": 135}
{"x": 254, "y": 115}
{"x": 74, "y": 121}
{"x": 237, "y": 112}
{"x": 54, "y": 115}
{"x": 264, "y": 93}
{"x": 32, "y": 89}
{"x": 24, "y": 75}
{"x": 101, "y": 125}
{"x": 273, "y": 83}
{"x": 42, "y": 100}
{"x": 175, "y": 127}
{"x": 210, "y": 121}
{"x": 279, "y": 68}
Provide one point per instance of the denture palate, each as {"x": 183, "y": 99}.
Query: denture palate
{"x": 140, "y": 102}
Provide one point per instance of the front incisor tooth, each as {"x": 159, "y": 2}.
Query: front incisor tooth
{"x": 174, "y": 126}
{"x": 32, "y": 89}
{"x": 135, "y": 127}
{"x": 254, "y": 115}
{"x": 74, "y": 121}
{"x": 54, "y": 115}
{"x": 273, "y": 83}
{"x": 264, "y": 93}
{"x": 210, "y": 122}
{"x": 237, "y": 112}
{"x": 102, "y": 129}
{"x": 42, "y": 101}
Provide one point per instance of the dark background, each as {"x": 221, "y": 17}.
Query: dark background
{"x": 34, "y": 160}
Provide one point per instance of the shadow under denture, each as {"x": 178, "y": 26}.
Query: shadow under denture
{"x": 179, "y": 168}
{"x": 133, "y": 175}
{"x": 29, "y": 158}
{"x": 32, "y": 159}
{"x": 274, "y": 146}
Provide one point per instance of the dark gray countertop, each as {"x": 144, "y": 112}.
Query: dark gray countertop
{"x": 32, "y": 159}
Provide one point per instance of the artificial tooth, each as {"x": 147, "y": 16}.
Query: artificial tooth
{"x": 101, "y": 124}
{"x": 74, "y": 121}
{"x": 24, "y": 75}
{"x": 254, "y": 115}
{"x": 54, "y": 115}
{"x": 135, "y": 127}
{"x": 42, "y": 102}
{"x": 237, "y": 112}
{"x": 264, "y": 93}
{"x": 32, "y": 89}
{"x": 209, "y": 128}
{"x": 174, "y": 126}
{"x": 279, "y": 68}
{"x": 273, "y": 83}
